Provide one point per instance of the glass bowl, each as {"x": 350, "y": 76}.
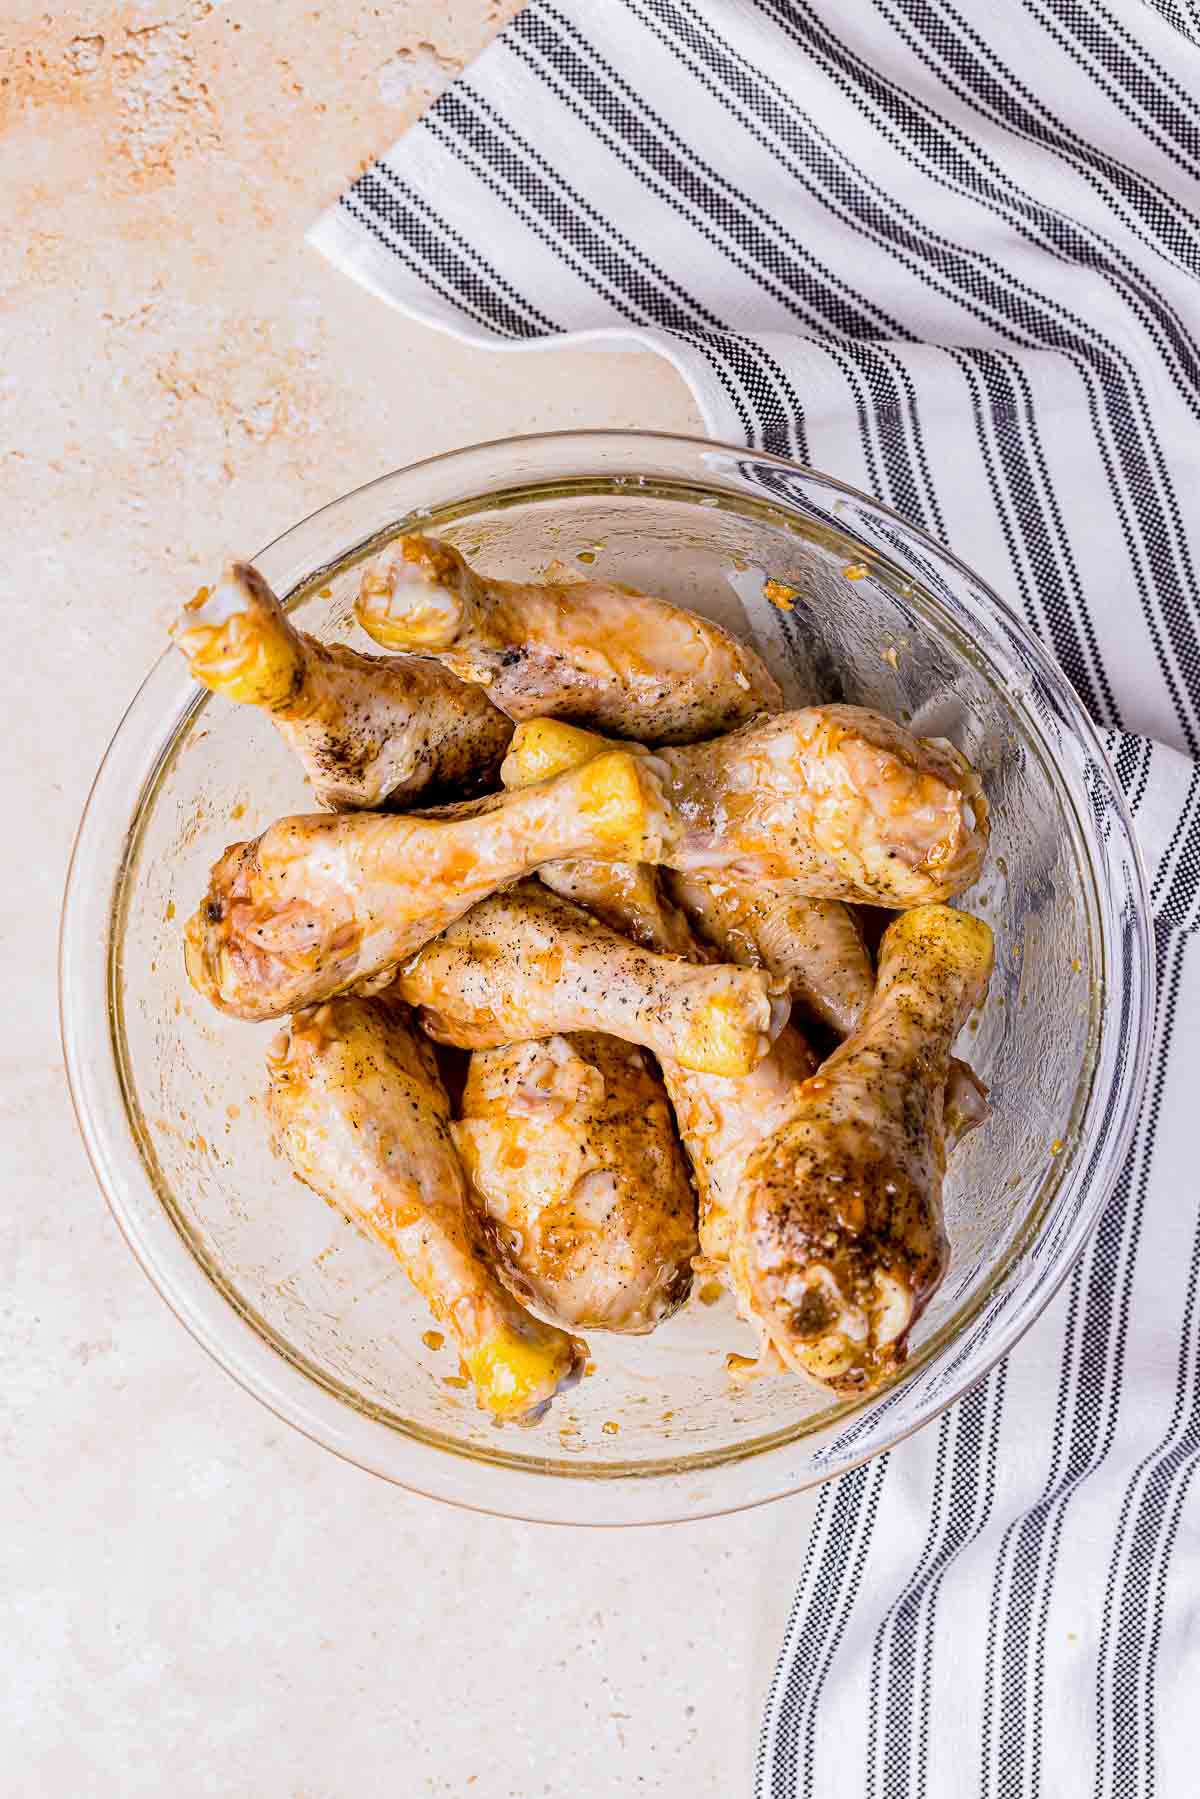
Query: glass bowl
{"x": 319, "y": 1323}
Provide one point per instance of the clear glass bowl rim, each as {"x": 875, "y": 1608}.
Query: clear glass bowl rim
{"x": 130, "y": 765}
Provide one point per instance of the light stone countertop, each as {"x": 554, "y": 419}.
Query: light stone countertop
{"x": 194, "y": 1599}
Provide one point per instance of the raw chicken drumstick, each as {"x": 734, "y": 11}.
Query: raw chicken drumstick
{"x": 814, "y": 945}
{"x": 834, "y": 802}
{"x": 724, "y": 1123}
{"x": 317, "y": 905}
{"x": 368, "y": 730}
{"x": 841, "y": 1242}
{"x": 626, "y": 896}
{"x": 576, "y": 648}
{"x": 817, "y": 948}
{"x": 526, "y": 964}
{"x": 361, "y": 1112}
{"x": 572, "y": 1153}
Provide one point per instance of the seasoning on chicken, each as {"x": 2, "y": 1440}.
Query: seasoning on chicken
{"x": 834, "y": 802}
{"x": 318, "y": 905}
{"x": 605, "y": 655}
{"x": 358, "y": 1106}
{"x": 842, "y": 1242}
{"x": 816, "y": 946}
{"x": 813, "y": 944}
{"x": 368, "y": 730}
{"x": 725, "y": 1124}
{"x": 626, "y": 896}
{"x": 721, "y": 1120}
{"x": 712, "y": 874}
{"x": 527, "y": 964}
{"x": 572, "y": 1153}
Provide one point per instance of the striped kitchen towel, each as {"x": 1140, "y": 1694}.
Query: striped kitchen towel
{"x": 949, "y": 251}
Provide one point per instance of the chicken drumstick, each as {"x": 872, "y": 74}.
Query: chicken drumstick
{"x": 603, "y": 655}
{"x": 361, "y": 1112}
{"x": 526, "y": 964}
{"x": 368, "y": 730}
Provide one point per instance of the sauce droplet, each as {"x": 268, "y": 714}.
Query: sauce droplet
{"x": 781, "y": 595}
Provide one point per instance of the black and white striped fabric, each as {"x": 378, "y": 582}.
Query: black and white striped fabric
{"x": 950, "y": 251}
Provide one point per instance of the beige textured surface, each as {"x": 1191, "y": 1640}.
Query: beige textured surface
{"x": 195, "y": 1600}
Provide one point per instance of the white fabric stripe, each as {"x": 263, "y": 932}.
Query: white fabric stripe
{"x": 1090, "y": 186}
{"x": 816, "y": 1626}
{"x": 1166, "y": 1350}
{"x": 988, "y": 323}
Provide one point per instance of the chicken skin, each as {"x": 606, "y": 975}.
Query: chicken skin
{"x": 527, "y": 964}
{"x": 368, "y": 730}
{"x": 626, "y": 896}
{"x": 729, "y": 1125}
{"x": 832, "y": 802}
{"x": 814, "y": 945}
{"x": 841, "y": 1243}
{"x": 703, "y": 860}
{"x": 572, "y": 1154}
{"x": 358, "y": 1106}
{"x": 319, "y": 905}
{"x": 723, "y": 1124}
{"x": 721, "y": 1119}
{"x": 606, "y": 656}
{"x": 817, "y": 948}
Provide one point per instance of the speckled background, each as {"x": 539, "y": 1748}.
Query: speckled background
{"x": 193, "y": 1599}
